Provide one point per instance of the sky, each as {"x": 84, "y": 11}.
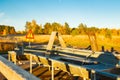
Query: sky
{"x": 98, "y": 13}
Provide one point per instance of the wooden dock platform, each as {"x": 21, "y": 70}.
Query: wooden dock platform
{"x": 44, "y": 73}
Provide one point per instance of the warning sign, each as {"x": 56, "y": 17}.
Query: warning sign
{"x": 30, "y": 35}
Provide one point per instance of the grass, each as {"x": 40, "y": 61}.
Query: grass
{"x": 109, "y": 43}
{"x": 80, "y": 41}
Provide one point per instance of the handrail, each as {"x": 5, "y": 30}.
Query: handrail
{"x": 13, "y": 72}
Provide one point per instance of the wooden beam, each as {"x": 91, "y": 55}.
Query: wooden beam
{"x": 12, "y": 56}
{"x": 13, "y": 72}
{"x": 61, "y": 41}
{"x": 51, "y": 41}
{"x": 93, "y": 42}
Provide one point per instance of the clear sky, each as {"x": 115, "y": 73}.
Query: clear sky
{"x": 98, "y": 13}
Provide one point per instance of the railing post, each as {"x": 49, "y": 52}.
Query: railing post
{"x": 52, "y": 71}
{"x": 12, "y": 56}
{"x": 9, "y": 57}
{"x": 93, "y": 75}
{"x": 30, "y": 63}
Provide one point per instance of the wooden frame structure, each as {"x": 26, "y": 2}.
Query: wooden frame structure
{"x": 93, "y": 41}
{"x": 52, "y": 39}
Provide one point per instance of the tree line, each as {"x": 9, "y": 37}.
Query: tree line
{"x": 4, "y": 30}
{"x": 65, "y": 29}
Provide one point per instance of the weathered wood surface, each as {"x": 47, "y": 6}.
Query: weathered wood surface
{"x": 52, "y": 39}
{"x": 13, "y": 72}
{"x": 93, "y": 41}
{"x": 62, "y": 43}
{"x": 44, "y": 73}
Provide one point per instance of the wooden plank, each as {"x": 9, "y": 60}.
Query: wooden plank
{"x": 45, "y": 61}
{"x": 59, "y": 65}
{"x": 93, "y": 42}
{"x": 79, "y": 71}
{"x": 12, "y": 56}
{"x": 61, "y": 41}
{"x": 51, "y": 40}
{"x": 11, "y": 71}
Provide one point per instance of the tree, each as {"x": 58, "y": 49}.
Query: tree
{"x": 39, "y": 29}
{"x": 47, "y": 28}
{"x": 4, "y": 32}
{"x": 36, "y": 29}
{"x": 55, "y": 26}
{"x": 91, "y": 30}
{"x": 108, "y": 34}
{"x": 7, "y": 30}
{"x": 12, "y": 30}
{"x": 66, "y": 28}
{"x": 74, "y": 31}
{"x": 82, "y": 28}
{"x": 28, "y": 26}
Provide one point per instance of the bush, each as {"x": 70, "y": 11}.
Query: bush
{"x": 6, "y": 47}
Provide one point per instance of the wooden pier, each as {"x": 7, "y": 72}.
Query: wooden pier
{"x": 66, "y": 66}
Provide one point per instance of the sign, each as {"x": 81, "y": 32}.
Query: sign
{"x": 30, "y": 35}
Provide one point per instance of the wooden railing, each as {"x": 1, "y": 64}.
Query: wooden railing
{"x": 13, "y": 72}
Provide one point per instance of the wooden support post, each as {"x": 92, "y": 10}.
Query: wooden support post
{"x": 93, "y": 75}
{"x": 51, "y": 42}
{"x": 15, "y": 59}
{"x": 29, "y": 45}
{"x": 9, "y": 57}
{"x": 118, "y": 78}
{"x": 52, "y": 39}
{"x": 52, "y": 71}
{"x": 22, "y": 48}
{"x": 61, "y": 41}
{"x": 93, "y": 41}
{"x": 12, "y": 56}
{"x": 84, "y": 79}
{"x": 30, "y": 63}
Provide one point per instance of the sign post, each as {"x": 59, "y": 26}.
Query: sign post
{"x": 29, "y": 44}
{"x": 30, "y": 37}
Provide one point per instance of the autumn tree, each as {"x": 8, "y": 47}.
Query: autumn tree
{"x": 7, "y": 30}
{"x": 82, "y": 28}
{"x": 108, "y": 33}
{"x": 12, "y": 30}
{"x": 74, "y": 31}
{"x": 47, "y": 28}
{"x": 55, "y": 26}
{"x": 66, "y": 28}
{"x": 39, "y": 29}
{"x": 4, "y": 32}
{"x": 28, "y": 26}
{"x": 36, "y": 29}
